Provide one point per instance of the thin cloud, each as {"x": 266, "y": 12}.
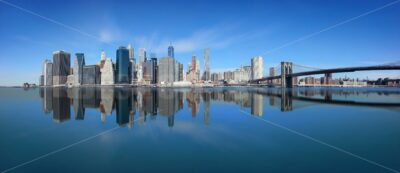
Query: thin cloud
{"x": 214, "y": 38}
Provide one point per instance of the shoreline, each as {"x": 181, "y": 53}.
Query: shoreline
{"x": 197, "y": 86}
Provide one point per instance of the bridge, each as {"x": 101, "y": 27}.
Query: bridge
{"x": 287, "y": 72}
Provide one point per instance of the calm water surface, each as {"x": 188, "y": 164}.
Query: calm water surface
{"x": 199, "y": 130}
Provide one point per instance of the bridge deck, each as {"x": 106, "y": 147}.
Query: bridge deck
{"x": 333, "y": 70}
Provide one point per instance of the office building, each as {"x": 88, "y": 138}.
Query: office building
{"x": 166, "y": 70}
{"x": 154, "y": 70}
{"x": 61, "y": 67}
{"x": 257, "y": 67}
{"x": 131, "y": 53}
{"x": 142, "y": 55}
{"x": 122, "y": 66}
{"x": 91, "y": 75}
{"x": 181, "y": 73}
{"x": 107, "y": 72}
{"x": 193, "y": 75}
{"x": 79, "y": 62}
{"x": 206, "y": 74}
{"x": 48, "y": 73}
{"x": 171, "y": 51}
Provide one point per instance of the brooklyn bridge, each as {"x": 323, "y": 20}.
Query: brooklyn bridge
{"x": 287, "y": 71}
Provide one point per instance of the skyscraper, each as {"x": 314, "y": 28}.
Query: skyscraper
{"x": 91, "y": 75}
{"x": 48, "y": 73}
{"x": 194, "y": 70}
{"x": 206, "y": 75}
{"x": 257, "y": 67}
{"x": 131, "y": 53}
{"x": 154, "y": 70}
{"x": 142, "y": 55}
{"x": 166, "y": 70}
{"x": 171, "y": 51}
{"x": 107, "y": 73}
{"x": 61, "y": 67}
{"x": 122, "y": 66}
{"x": 79, "y": 62}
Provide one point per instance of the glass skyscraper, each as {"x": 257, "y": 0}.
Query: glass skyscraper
{"x": 171, "y": 51}
{"x": 61, "y": 67}
{"x": 122, "y": 66}
{"x": 79, "y": 62}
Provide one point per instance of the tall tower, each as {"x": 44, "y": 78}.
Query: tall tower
{"x": 61, "y": 67}
{"x": 257, "y": 67}
{"x": 79, "y": 62}
{"x": 131, "y": 53}
{"x": 171, "y": 51}
{"x": 122, "y": 66}
{"x": 206, "y": 75}
{"x": 142, "y": 55}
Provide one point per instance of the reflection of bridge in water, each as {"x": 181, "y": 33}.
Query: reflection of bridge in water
{"x": 306, "y": 98}
{"x": 147, "y": 103}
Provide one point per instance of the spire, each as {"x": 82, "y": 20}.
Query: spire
{"x": 103, "y": 55}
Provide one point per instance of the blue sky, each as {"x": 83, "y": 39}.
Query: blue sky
{"x": 234, "y": 31}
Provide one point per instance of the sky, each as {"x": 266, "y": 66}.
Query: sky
{"x": 314, "y": 33}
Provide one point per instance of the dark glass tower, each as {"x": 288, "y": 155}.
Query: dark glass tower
{"x": 122, "y": 66}
{"x": 61, "y": 67}
{"x": 78, "y": 68}
{"x": 171, "y": 51}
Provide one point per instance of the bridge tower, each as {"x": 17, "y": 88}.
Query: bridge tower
{"x": 286, "y": 69}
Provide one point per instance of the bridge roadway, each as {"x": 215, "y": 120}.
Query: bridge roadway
{"x": 330, "y": 71}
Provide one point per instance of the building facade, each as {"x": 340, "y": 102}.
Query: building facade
{"x": 91, "y": 75}
{"x": 206, "y": 74}
{"x": 122, "y": 66}
{"x": 47, "y": 73}
{"x": 257, "y": 67}
{"x": 193, "y": 75}
{"x": 171, "y": 51}
{"x": 61, "y": 67}
{"x": 107, "y": 73}
{"x": 166, "y": 70}
{"x": 79, "y": 62}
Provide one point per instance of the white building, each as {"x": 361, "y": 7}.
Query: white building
{"x": 142, "y": 55}
{"x": 257, "y": 67}
{"x": 107, "y": 72}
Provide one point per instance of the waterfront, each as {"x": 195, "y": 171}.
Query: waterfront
{"x": 248, "y": 129}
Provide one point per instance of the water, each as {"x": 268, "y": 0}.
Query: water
{"x": 200, "y": 130}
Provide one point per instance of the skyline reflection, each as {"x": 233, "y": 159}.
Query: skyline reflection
{"x": 147, "y": 103}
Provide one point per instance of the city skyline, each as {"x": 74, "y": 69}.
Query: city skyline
{"x": 357, "y": 42}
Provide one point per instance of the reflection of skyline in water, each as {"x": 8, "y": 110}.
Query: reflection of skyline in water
{"x": 147, "y": 103}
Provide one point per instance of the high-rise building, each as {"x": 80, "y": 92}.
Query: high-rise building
{"x": 181, "y": 72}
{"x": 131, "y": 53}
{"x": 79, "y": 62}
{"x": 122, "y": 66}
{"x": 257, "y": 67}
{"x": 91, "y": 75}
{"x": 61, "y": 67}
{"x": 206, "y": 75}
{"x": 166, "y": 70}
{"x": 193, "y": 74}
{"x": 271, "y": 71}
{"x": 107, "y": 72}
{"x": 147, "y": 72}
{"x": 171, "y": 51}
{"x": 154, "y": 70}
{"x": 142, "y": 55}
{"x": 41, "y": 80}
{"x": 48, "y": 73}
